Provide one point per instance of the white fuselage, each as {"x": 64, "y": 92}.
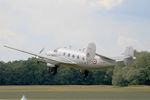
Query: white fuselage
{"x": 79, "y": 58}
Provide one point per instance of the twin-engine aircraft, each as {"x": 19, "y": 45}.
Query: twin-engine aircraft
{"x": 85, "y": 60}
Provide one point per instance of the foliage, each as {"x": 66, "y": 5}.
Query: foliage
{"x": 137, "y": 73}
{"x": 29, "y": 72}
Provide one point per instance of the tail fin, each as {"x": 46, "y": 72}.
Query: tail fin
{"x": 129, "y": 52}
{"x": 90, "y": 52}
{"x": 128, "y": 55}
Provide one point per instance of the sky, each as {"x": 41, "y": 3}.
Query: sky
{"x": 111, "y": 24}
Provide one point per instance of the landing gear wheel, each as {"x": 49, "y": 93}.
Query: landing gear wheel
{"x": 38, "y": 62}
{"x": 52, "y": 70}
{"x": 85, "y": 73}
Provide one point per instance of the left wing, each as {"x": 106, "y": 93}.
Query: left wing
{"x": 47, "y": 59}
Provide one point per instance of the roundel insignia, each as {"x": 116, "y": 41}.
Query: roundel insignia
{"x": 94, "y": 61}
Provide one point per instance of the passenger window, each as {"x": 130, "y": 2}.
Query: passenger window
{"x": 55, "y": 50}
{"x": 64, "y": 53}
{"x": 83, "y": 58}
{"x": 78, "y": 57}
{"x": 73, "y": 56}
{"x": 69, "y": 55}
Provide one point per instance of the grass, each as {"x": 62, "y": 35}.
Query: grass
{"x": 74, "y": 92}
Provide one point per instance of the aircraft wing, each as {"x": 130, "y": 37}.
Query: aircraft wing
{"x": 105, "y": 58}
{"x": 47, "y": 59}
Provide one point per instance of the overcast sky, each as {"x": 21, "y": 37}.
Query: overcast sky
{"x": 111, "y": 24}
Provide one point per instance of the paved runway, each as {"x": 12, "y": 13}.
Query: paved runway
{"x": 74, "y": 93}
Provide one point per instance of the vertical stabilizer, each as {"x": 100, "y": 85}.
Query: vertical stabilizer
{"x": 90, "y": 52}
{"x": 128, "y": 55}
{"x": 129, "y": 52}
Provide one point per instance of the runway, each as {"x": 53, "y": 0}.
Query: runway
{"x": 74, "y": 93}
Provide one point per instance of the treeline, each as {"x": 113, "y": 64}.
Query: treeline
{"x": 137, "y": 73}
{"x": 30, "y": 72}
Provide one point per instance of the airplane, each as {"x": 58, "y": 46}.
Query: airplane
{"x": 84, "y": 60}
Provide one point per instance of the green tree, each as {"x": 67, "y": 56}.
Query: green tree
{"x": 136, "y": 76}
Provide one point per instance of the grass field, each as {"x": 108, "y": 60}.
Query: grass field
{"x": 75, "y": 92}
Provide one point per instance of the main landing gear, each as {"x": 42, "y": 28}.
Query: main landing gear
{"x": 52, "y": 70}
{"x": 84, "y": 73}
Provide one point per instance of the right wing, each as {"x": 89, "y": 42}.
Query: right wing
{"x": 105, "y": 58}
{"x": 47, "y": 59}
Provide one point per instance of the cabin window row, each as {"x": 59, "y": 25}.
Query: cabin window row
{"x": 73, "y": 56}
